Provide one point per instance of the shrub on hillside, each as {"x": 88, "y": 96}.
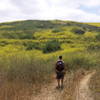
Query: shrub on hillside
{"x": 77, "y": 60}
{"x": 27, "y": 68}
{"x": 94, "y": 46}
{"x": 78, "y": 31}
{"x": 51, "y": 46}
{"x": 98, "y": 37}
{"x": 3, "y": 43}
{"x": 31, "y": 45}
{"x": 56, "y": 30}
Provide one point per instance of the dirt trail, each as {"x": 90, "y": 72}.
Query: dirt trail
{"x": 82, "y": 91}
{"x": 50, "y": 92}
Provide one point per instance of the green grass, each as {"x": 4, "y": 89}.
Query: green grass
{"x": 95, "y": 24}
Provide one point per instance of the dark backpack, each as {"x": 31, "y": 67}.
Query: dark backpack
{"x": 60, "y": 66}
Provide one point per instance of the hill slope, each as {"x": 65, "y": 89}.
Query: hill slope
{"x": 94, "y": 24}
{"x": 29, "y": 50}
{"x": 27, "y": 29}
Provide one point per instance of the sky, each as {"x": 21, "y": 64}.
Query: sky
{"x": 75, "y": 10}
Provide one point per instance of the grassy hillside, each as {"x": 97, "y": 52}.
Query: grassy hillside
{"x": 27, "y": 29}
{"x": 32, "y": 32}
{"x": 29, "y": 50}
{"x": 44, "y": 39}
{"x": 94, "y": 24}
{"x": 47, "y": 38}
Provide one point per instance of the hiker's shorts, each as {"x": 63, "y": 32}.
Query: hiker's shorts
{"x": 60, "y": 75}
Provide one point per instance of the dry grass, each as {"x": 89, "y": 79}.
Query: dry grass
{"x": 18, "y": 91}
{"x": 95, "y": 85}
{"x": 27, "y": 91}
{"x": 71, "y": 83}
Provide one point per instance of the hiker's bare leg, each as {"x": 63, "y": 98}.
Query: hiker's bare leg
{"x": 62, "y": 82}
{"x": 58, "y": 80}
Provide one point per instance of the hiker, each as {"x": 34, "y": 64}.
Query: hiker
{"x": 60, "y": 71}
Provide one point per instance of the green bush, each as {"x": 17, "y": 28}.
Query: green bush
{"x": 56, "y": 30}
{"x": 98, "y": 37}
{"x": 78, "y": 31}
{"x": 32, "y": 45}
{"x": 94, "y": 46}
{"x": 77, "y": 60}
{"x": 51, "y": 46}
{"x": 3, "y": 43}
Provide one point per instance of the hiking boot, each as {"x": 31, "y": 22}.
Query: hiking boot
{"x": 57, "y": 87}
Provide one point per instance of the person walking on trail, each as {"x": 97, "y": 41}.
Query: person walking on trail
{"x": 60, "y": 71}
